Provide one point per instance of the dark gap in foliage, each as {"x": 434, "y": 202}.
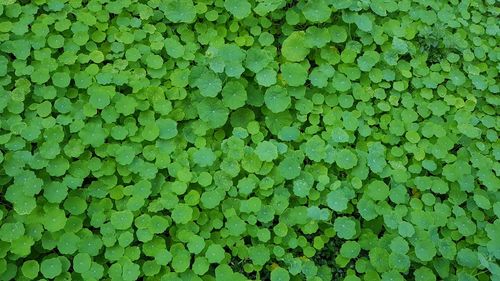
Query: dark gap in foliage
{"x": 88, "y": 180}
{"x": 432, "y": 44}
{"x": 356, "y": 215}
{"x": 387, "y": 180}
{"x": 5, "y": 203}
{"x": 124, "y": 89}
{"x": 247, "y": 240}
{"x": 265, "y": 274}
{"x": 291, "y": 3}
{"x": 10, "y": 56}
{"x": 237, "y": 265}
{"x": 307, "y": 161}
{"x": 326, "y": 256}
{"x": 313, "y": 64}
{"x": 71, "y": 17}
{"x": 455, "y": 148}
{"x": 34, "y": 147}
{"x": 342, "y": 175}
{"x": 302, "y": 26}
{"x": 406, "y": 57}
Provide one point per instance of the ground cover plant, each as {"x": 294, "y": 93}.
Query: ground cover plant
{"x": 249, "y": 140}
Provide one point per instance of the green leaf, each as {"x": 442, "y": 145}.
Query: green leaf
{"x": 100, "y": 96}
{"x": 339, "y": 135}
{"x": 266, "y": 151}
{"x": 51, "y": 267}
{"x": 259, "y": 254}
{"x": 181, "y": 259}
{"x": 182, "y": 214}
{"x": 68, "y": 243}
{"x": 215, "y": 253}
{"x": 213, "y": 112}
{"x": 294, "y": 47}
{"x": 206, "y": 80}
{"x": 266, "y": 77}
{"x": 30, "y": 269}
{"x": 294, "y": 74}
{"x": 377, "y": 190}
{"x": 61, "y": 79}
{"x": 337, "y": 200}
{"x": 424, "y": 273}
{"x": 280, "y": 274}
{"x": 55, "y": 192}
{"x": 204, "y": 157}
{"x": 363, "y": 22}
{"x": 345, "y": 227}
{"x": 368, "y": 60}
{"x": 201, "y": 265}
{"x": 378, "y": 7}
{"x": 340, "y": 82}
{"x": 122, "y": 219}
{"x": 350, "y": 249}
{"x": 125, "y": 155}
{"x": 174, "y": 48}
{"x": 40, "y": 76}
{"x": 179, "y": 10}
{"x": 238, "y": 8}
{"x": 196, "y": 244}
{"x": 277, "y": 99}
{"x": 257, "y": 59}
{"x": 315, "y": 148}
{"x": 267, "y": 6}
{"x": 167, "y": 128}
{"x": 345, "y": 159}
{"x": 425, "y": 250}
{"x": 289, "y": 168}
{"x": 234, "y": 95}
{"x": 338, "y": 33}
{"x": 316, "y": 11}
{"x": 227, "y": 58}
{"x": 54, "y": 219}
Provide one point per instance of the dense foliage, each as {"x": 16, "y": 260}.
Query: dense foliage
{"x": 249, "y": 140}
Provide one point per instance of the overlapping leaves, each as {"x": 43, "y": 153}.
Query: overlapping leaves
{"x": 249, "y": 140}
